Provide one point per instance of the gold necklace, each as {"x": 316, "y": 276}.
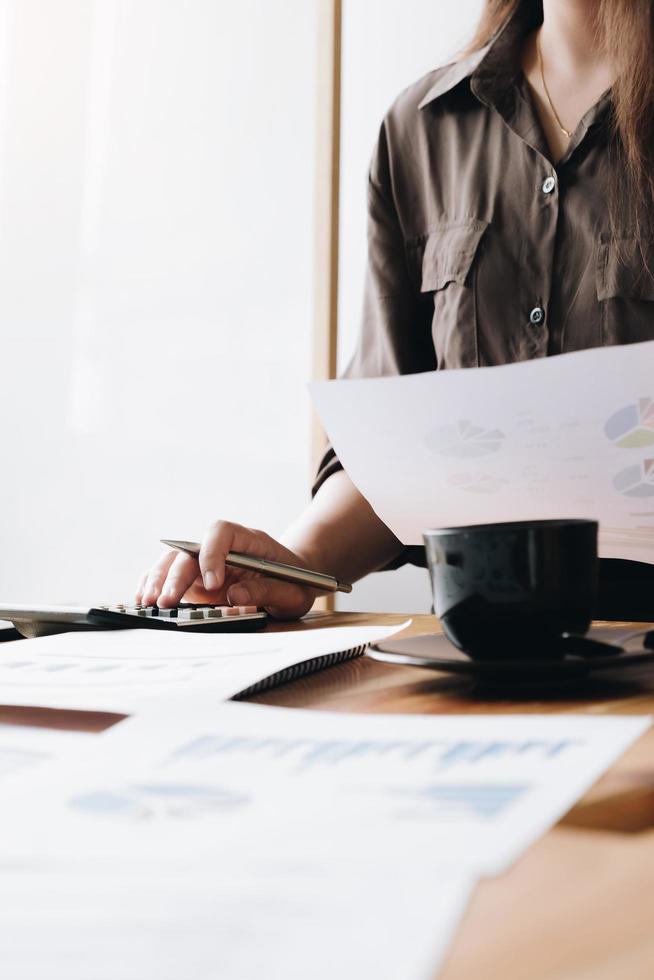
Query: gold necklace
{"x": 549, "y": 97}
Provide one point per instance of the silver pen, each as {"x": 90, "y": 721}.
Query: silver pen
{"x": 274, "y": 569}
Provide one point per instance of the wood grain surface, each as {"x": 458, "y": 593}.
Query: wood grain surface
{"x": 579, "y": 905}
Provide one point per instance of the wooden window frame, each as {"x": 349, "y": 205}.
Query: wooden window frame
{"x": 328, "y": 162}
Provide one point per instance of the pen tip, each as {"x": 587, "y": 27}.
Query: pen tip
{"x": 189, "y": 547}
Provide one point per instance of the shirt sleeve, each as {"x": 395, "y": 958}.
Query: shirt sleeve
{"x": 395, "y": 335}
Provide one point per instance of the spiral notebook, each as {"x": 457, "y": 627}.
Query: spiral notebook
{"x": 301, "y": 669}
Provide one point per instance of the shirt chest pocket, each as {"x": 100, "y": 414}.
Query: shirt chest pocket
{"x": 447, "y": 269}
{"x": 625, "y": 290}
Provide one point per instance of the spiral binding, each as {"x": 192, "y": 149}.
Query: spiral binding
{"x": 296, "y": 671}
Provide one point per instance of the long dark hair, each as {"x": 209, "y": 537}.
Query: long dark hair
{"x": 625, "y": 29}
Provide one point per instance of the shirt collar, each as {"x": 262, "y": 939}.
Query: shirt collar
{"x": 453, "y": 74}
{"x": 494, "y": 68}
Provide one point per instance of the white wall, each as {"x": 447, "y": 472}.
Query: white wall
{"x": 156, "y": 236}
{"x": 387, "y": 45}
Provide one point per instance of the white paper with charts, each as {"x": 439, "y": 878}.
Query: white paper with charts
{"x": 126, "y": 670}
{"x": 199, "y": 783}
{"x": 565, "y": 436}
{"x": 245, "y": 841}
{"x": 26, "y": 752}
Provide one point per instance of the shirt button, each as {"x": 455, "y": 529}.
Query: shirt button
{"x": 548, "y": 185}
{"x": 537, "y": 315}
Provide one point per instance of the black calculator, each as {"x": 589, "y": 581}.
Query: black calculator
{"x": 187, "y": 617}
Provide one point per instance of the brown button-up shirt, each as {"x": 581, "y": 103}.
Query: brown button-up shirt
{"x": 481, "y": 251}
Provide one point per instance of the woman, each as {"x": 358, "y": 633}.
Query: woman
{"x": 511, "y": 205}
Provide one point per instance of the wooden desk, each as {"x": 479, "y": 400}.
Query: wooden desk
{"x": 580, "y": 904}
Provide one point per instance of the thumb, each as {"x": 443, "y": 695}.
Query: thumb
{"x": 283, "y": 600}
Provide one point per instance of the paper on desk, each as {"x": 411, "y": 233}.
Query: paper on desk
{"x": 254, "y": 841}
{"x": 565, "y": 436}
{"x": 25, "y": 751}
{"x": 244, "y": 920}
{"x": 473, "y": 790}
{"x": 125, "y": 670}
{"x": 258, "y": 903}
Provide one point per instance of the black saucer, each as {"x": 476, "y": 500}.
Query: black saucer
{"x": 436, "y": 652}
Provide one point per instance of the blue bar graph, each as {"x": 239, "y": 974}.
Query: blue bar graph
{"x": 483, "y": 800}
{"x": 306, "y": 753}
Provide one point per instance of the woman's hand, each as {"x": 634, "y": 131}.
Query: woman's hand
{"x": 338, "y": 533}
{"x": 207, "y": 579}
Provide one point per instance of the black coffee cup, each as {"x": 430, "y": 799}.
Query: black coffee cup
{"x": 507, "y": 591}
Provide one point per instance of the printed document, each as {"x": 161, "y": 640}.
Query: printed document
{"x": 125, "y": 670}
{"x": 565, "y": 436}
{"x": 247, "y": 841}
{"x": 26, "y": 751}
{"x": 199, "y": 784}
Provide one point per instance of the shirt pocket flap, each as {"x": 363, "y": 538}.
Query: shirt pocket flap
{"x": 622, "y": 270}
{"x": 448, "y": 253}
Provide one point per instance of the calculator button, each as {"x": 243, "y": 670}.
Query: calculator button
{"x": 190, "y": 614}
{"x": 214, "y": 613}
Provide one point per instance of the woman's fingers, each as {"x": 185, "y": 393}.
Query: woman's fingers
{"x": 154, "y": 579}
{"x": 223, "y": 536}
{"x": 140, "y": 588}
{"x": 198, "y": 594}
{"x": 181, "y": 576}
{"x": 169, "y": 579}
{"x": 167, "y": 574}
{"x": 283, "y": 600}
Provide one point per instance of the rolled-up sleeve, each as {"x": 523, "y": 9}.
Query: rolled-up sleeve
{"x": 395, "y": 335}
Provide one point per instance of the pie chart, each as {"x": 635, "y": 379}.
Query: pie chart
{"x": 159, "y": 800}
{"x": 477, "y": 482}
{"x": 465, "y": 440}
{"x": 632, "y": 427}
{"x": 636, "y": 480}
